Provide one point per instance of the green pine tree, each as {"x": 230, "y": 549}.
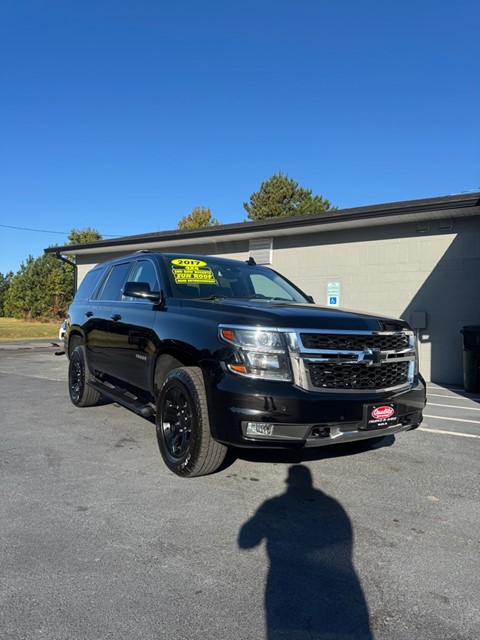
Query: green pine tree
{"x": 281, "y": 196}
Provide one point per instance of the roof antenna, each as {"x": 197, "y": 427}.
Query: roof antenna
{"x": 251, "y": 262}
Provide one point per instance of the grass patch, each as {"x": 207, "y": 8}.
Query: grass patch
{"x": 12, "y": 329}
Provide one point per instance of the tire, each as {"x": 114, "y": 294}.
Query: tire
{"x": 183, "y": 427}
{"x": 78, "y": 375}
{"x": 75, "y": 341}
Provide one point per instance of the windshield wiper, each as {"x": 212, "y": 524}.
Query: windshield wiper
{"x": 259, "y": 296}
{"x": 212, "y": 297}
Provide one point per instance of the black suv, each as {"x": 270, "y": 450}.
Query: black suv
{"x": 225, "y": 352}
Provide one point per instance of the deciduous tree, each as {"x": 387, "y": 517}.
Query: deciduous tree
{"x": 199, "y": 217}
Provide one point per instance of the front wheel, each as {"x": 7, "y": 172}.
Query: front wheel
{"x": 183, "y": 427}
{"x": 78, "y": 375}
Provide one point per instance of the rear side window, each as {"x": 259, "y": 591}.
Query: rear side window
{"x": 112, "y": 289}
{"x": 88, "y": 285}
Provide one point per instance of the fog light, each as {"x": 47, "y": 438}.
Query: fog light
{"x": 259, "y": 429}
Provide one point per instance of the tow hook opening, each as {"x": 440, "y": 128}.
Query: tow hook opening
{"x": 321, "y": 432}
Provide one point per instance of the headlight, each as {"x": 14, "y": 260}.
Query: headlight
{"x": 261, "y": 353}
{"x": 417, "y": 354}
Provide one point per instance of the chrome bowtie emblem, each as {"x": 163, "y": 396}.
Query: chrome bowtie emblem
{"x": 371, "y": 357}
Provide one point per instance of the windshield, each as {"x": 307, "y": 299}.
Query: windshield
{"x": 212, "y": 278}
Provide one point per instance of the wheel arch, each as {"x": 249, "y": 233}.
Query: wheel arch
{"x": 167, "y": 361}
{"x": 75, "y": 338}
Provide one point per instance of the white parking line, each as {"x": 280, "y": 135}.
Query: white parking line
{"x": 27, "y": 375}
{"x": 451, "y": 419}
{"x": 453, "y": 406}
{"x": 448, "y": 433}
{"x": 452, "y": 397}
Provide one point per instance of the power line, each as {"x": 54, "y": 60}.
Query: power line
{"x": 62, "y": 233}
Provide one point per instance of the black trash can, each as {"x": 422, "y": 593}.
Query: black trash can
{"x": 471, "y": 358}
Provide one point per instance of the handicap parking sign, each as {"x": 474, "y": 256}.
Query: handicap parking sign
{"x": 333, "y": 294}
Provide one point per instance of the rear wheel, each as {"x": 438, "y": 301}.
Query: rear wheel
{"x": 81, "y": 394}
{"x": 183, "y": 427}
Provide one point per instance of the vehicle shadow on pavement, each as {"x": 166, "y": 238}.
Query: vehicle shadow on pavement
{"x": 312, "y": 589}
{"x": 297, "y": 456}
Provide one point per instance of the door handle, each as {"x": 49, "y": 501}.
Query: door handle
{"x": 116, "y": 317}
{"x": 89, "y": 314}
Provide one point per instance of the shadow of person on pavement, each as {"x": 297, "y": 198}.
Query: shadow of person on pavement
{"x": 312, "y": 591}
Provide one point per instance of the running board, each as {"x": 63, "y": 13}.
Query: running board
{"x": 124, "y": 398}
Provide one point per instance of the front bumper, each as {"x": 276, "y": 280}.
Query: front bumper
{"x": 295, "y": 417}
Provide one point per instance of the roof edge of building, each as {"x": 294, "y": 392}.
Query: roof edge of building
{"x": 442, "y": 203}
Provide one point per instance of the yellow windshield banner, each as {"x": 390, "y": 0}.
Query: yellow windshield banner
{"x": 191, "y": 271}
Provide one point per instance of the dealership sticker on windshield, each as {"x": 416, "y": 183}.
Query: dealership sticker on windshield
{"x": 380, "y": 416}
{"x": 191, "y": 271}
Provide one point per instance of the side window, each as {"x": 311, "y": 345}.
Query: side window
{"x": 112, "y": 289}
{"x": 264, "y": 286}
{"x": 144, "y": 271}
{"x": 87, "y": 285}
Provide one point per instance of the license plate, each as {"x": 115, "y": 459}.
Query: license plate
{"x": 380, "y": 416}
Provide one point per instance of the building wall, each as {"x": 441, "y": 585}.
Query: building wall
{"x": 393, "y": 270}
{"x": 396, "y": 271}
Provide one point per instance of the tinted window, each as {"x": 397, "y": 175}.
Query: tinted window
{"x": 144, "y": 271}
{"x": 112, "y": 289}
{"x": 87, "y": 286}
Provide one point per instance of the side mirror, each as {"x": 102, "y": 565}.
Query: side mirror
{"x": 141, "y": 290}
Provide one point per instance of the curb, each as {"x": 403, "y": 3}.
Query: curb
{"x": 38, "y": 344}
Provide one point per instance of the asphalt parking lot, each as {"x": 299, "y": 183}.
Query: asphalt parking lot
{"x": 99, "y": 540}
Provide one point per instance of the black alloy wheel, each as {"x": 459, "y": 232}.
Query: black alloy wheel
{"x": 81, "y": 394}
{"x": 176, "y": 422}
{"x": 183, "y": 426}
{"x": 75, "y": 378}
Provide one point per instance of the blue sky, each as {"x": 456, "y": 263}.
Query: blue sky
{"x": 124, "y": 115}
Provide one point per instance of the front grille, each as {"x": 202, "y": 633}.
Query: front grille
{"x": 320, "y": 341}
{"x": 324, "y": 375}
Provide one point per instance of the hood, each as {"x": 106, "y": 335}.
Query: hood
{"x": 292, "y": 315}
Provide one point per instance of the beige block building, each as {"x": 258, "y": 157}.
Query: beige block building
{"x": 418, "y": 260}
